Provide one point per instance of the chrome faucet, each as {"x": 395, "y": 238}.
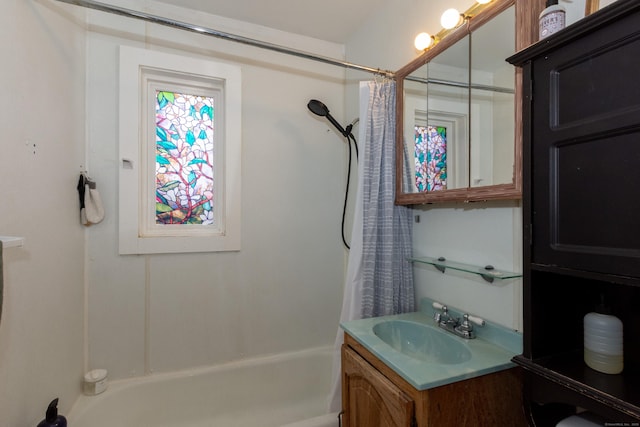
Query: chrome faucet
{"x": 463, "y": 329}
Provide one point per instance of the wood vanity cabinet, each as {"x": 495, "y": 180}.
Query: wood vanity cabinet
{"x": 374, "y": 395}
{"x": 581, "y": 212}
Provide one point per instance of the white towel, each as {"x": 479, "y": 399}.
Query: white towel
{"x": 93, "y": 208}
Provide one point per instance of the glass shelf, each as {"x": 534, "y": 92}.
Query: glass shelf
{"x": 488, "y": 273}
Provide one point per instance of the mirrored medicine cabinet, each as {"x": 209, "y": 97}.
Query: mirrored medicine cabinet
{"x": 458, "y": 112}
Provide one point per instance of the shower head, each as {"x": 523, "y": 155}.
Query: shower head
{"x": 318, "y": 108}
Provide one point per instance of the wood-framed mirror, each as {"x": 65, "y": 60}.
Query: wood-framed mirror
{"x": 458, "y": 111}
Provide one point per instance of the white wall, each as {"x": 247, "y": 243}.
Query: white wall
{"x": 41, "y": 147}
{"x": 478, "y": 233}
{"x": 283, "y": 290}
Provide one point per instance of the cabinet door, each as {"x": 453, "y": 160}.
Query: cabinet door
{"x": 586, "y": 152}
{"x": 369, "y": 398}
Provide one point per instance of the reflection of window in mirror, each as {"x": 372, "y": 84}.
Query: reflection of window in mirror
{"x": 442, "y": 170}
{"x": 439, "y": 148}
{"x": 431, "y": 157}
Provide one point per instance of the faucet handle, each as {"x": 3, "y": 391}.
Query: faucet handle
{"x": 438, "y": 306}
{"x": 467, "y": 319}
{"x": 477, "y": 320}
{"x": 465, "y": 328}
{"x": 438, "y": 317}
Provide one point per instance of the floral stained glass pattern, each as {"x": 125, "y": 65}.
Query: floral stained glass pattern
{"x": 184, "y": 159}
{"x": 431, "y": 158}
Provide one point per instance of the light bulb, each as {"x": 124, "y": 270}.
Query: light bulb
{"x": 451, "y": 18}
{"x": 483, "y": 1}
{"x": 423, "y": 41}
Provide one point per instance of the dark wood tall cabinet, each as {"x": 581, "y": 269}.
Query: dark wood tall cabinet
{"x": 581, "y": 211}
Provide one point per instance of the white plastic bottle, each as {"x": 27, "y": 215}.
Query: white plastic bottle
{"x": 552, "y": 19}
{"x": 603, "y": 341}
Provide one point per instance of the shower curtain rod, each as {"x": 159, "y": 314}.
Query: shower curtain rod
{"x": 90, "y": 4}
{"x": 463, "y": 85}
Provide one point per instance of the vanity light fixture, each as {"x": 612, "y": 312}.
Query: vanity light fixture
{"x": 450, "y": 20}
{"x": 424, "y": 41}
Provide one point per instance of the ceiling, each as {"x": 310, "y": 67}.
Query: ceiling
{"x": 330, "y": 20}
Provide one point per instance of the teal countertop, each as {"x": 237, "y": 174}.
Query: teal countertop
{"x": 491, "y": 350}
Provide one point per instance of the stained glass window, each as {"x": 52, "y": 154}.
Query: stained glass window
{"x": 180, "y": 142}
{"x": 184, "y": 172}
{"x": 431, "y": 158}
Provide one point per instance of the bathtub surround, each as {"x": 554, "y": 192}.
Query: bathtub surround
{"x": 280, "y": 292}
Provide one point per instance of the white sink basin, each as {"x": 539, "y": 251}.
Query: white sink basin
{"x": 422, "y": 342}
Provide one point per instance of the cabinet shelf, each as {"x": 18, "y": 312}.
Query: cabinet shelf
{"x": 564, "y": 271}
{"x": 620, "y": 392}
{"x": 488, "y": 273}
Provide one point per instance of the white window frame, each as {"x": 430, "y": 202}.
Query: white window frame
{"x": 142, "y": 71}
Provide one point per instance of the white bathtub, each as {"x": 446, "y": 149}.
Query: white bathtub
{"x": 288, "y": 389}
